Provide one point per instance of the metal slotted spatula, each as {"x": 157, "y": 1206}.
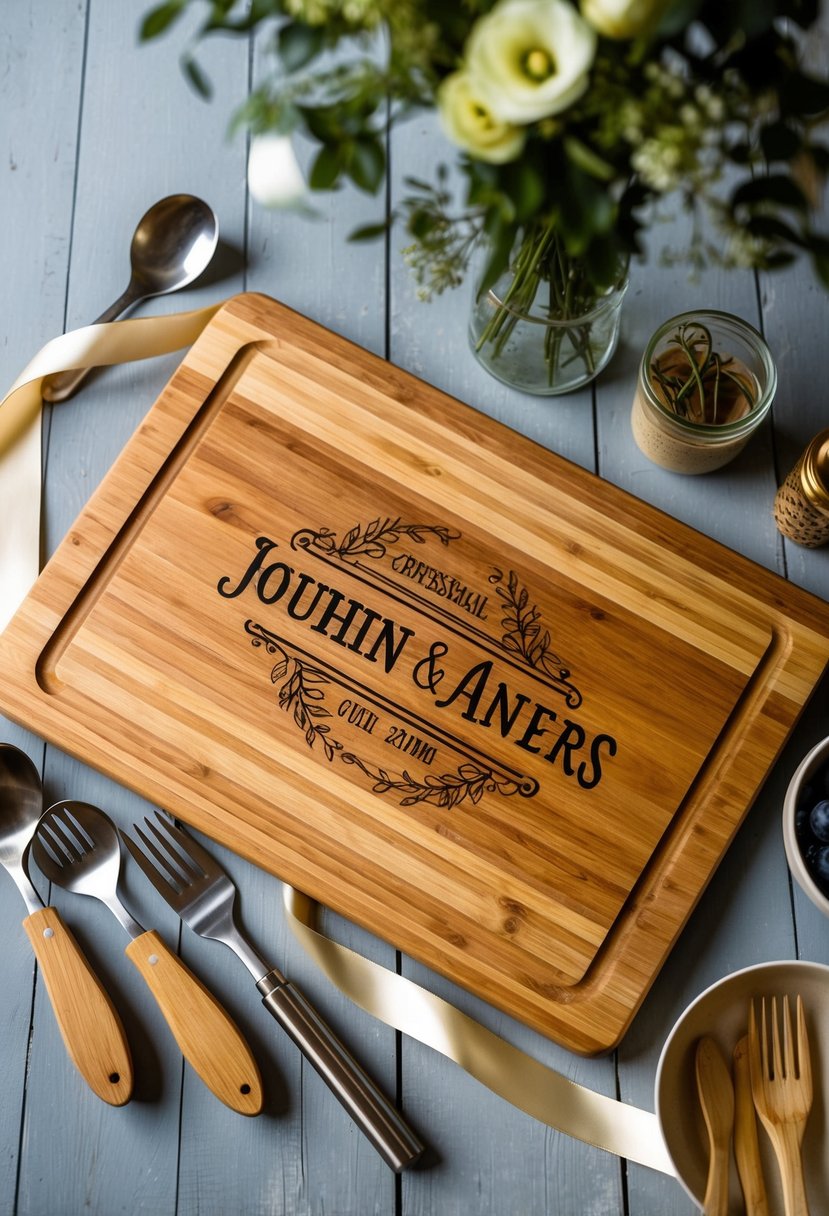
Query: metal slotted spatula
{"x": 77, "y": 847}
{"x": 193, "y": 883}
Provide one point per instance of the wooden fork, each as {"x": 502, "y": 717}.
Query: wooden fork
{"x": 781, "y": 1085}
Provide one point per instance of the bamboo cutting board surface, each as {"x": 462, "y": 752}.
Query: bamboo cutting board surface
{"x": 477, "y": 700}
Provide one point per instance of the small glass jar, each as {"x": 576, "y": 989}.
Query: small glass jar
{"x": 683, "y": 444}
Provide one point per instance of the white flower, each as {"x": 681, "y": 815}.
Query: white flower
{"x": 470, "y": 124}
{"x": 622, "y": 18}
{"x": 530, "y": 58}
{"x": 274, "y": 176}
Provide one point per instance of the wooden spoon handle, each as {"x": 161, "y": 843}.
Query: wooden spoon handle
{"x": 209, "y": 1039}
{"x": 716, "y": 1192}
{"x": 88, "y": 1022}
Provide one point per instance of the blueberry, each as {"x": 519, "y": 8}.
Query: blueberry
{"x": 809, "y": 850}
{"x": 801, "y": 821}
{"x": 819, "y": 821}
{"x": 820, "y": 869}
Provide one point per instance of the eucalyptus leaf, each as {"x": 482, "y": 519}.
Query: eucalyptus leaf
{"x": 773, "y": 188}
{"x": 588, "y": 160}
{"x": 298, "y": 44}
{"x": 370, "y": 232}
{"x": 367, "y": 164}
{"x": 161, "y": 18}
{"x": 326, "y": 168}
{"x": 196, "y": 77}
{"x": 779, "y": 141}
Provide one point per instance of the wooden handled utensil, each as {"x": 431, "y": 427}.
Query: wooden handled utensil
{"x": 781, "y": 1084}
{"x": 746, "y": 1145}
{"x": 716, "y": 1094}
{"x": 193, "y": 882}
{"x": 88, "y": 1022}
{"x": 77, "y": 847}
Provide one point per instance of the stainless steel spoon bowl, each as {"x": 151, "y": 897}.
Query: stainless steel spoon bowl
{"x": 171, "y": 246}
{"x": 21, "y": 802}
{"x": 91, "y": 1029}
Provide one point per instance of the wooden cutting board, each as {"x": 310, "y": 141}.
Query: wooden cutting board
{"x": 469, "y": 695}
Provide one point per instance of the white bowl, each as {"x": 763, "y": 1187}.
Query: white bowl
{"x": 818, "y": 756}
{"x": 722, "y": 1012}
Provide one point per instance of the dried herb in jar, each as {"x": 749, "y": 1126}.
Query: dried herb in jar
{"x": 700, "y": 384}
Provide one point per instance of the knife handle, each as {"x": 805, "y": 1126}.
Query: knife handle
{"x": 208, "y": 1037}
{"x": 369, "y": 1108}
{"x": 746, "y": 1143}
{"x": 87, "y": 1019}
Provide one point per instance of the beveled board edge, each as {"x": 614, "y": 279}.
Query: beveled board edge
{"x": 662, "y": 901}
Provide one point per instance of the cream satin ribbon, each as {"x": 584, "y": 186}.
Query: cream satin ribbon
{"x": 20, "y": 429}
{"x": 523, "y": 1081}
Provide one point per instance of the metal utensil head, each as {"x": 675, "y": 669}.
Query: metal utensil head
{"x": 173, "y": 243}
{"x": 193, "y": 884}
{"x": 72, "y": 856}
{"x": 21, "y": 803}
{"x": 76, "y": 846}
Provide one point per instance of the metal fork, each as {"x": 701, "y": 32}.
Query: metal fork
{"x": 781, "y": 1085}
{"x": 194, "y": 884}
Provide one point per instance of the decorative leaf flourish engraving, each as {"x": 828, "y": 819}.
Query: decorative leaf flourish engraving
{"x": 525, "y": 636}
{"x": 373, "y": 539}
{"x": 470, "y": 781}
{"x": 300, "y": 691}
{"x": 302, "y": 695}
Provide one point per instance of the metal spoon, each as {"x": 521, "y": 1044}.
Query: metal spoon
{"x": 171, "y": 246}
{"x": 77, "y": 846}
{"x": 91, "y": 1029}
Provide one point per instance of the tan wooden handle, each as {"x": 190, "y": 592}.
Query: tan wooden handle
{"x": 209, "y": 1039}
{"x": 91, "y": 1029}
{"x": 746, "y": 1143}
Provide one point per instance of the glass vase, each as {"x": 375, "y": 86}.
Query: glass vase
{"x": 542, "y": 330}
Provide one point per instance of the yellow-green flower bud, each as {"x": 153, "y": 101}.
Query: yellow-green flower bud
{"x": 468, "y": 122}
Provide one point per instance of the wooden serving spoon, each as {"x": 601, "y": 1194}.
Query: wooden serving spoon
{"x": 746, "y": 1145}
{"x": 716, "y": 1095}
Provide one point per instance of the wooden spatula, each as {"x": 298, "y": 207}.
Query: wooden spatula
{"x": 716, "y": 1095}
{"x": 746, "y": 1145}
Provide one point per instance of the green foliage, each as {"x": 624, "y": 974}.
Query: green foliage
{"x": 667, "y": 112}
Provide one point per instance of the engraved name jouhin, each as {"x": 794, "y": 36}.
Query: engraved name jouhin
{"x": 327, "y": 611}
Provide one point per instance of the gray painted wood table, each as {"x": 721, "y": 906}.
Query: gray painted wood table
{"x": 92, "y": 130}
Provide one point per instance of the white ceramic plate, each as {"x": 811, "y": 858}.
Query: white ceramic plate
{"x": 722, "y": 1012}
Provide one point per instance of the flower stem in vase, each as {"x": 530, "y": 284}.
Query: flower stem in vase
{"x": 516, "y": 327}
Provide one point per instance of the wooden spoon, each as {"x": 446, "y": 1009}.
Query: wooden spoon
{"x": 716, "y": 1095}
{"x": 746, "y": 1146}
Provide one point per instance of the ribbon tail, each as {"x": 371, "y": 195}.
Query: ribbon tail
{"x": 20, "y": 428}
{"x": 509, "y": 1072}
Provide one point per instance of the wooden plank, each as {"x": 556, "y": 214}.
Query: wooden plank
{"x": 38, "y": 132}
{"x": 305, "y": 1156}
{"x": 135, "y": 146}
{"x": 492, "y": 1158}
